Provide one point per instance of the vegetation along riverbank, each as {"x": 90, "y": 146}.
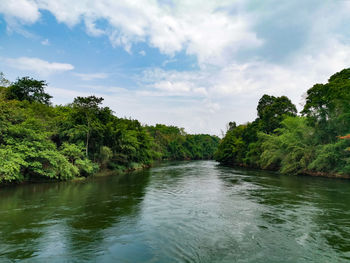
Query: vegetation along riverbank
{"x": 316, "y": 142}
{"x": 39, "y": 141}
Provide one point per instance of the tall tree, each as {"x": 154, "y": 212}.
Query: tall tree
{"x": 88, "y": 108}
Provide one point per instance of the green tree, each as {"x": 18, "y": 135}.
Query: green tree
{"x": 38, "y": 140}
{"x": 232, "y": 147}
{"x": 241, "y": 145}
{"x": 272, "y": 110}
{"x": 72, "y": 151}
{"x": 332, "y": 158}
{"x": 291, "y": 149}
{"x": 328, "y": 107}
{"x": 86, "y": 109}
{"x": 28, "y": 89}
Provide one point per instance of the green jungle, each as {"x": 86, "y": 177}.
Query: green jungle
{"x": 40, "y": 141}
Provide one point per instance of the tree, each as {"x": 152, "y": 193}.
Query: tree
{"x": 231, "y": 125}
{"x": 232, "y": 147}
{"x": 292, "y": 149}
{"x": 241, "y": 144}
{"x": 328, "y": 107}
{"x": 88, "y": 103}
{"x": 28, "y": 89}
{"x": 88, "y": 108}
{"x": 272, "y": 110}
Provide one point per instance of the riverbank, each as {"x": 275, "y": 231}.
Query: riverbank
{"x": 104, "y": 171}
{"x": 324, "y": 174}
{"x": 109, "y": 172}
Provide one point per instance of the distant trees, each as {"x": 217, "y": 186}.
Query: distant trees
{"x": 174, "y": 144}
{"x": 232, "y": 147}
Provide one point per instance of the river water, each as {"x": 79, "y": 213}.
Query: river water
{"x": 178, "y": 212}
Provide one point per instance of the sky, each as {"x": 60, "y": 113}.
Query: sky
{"x": 193, "y": 64}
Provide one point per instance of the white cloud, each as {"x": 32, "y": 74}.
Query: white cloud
{"x": 142, "y": 53}
{"x": 91, "y": 76}
{"x": 201, "y": 28}
{"x": 206, "y": 100}
{"x": 232, "y": 92}
{"x": 224, "y": 86}
{"x": 37, "y": 65}
{"x": 25, "y": 11}
{"x": 45, "y": 42}
{"x": 92, "y": 29}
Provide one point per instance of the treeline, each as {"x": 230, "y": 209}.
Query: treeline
{"x": 314, "y": 142}
{"x": 41, "y": 141}
{"x": 174, "y": 144}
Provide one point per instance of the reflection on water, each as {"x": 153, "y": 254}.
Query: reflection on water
{"x": 178, "y": 212}
{"x": 67, "y": 220}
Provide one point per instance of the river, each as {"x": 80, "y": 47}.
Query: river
{"x": 178, "y": 212}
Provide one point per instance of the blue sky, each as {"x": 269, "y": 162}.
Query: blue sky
{"x": 194, "y": 64}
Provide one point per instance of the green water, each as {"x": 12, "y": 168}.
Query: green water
{"x": 178, "y": 212}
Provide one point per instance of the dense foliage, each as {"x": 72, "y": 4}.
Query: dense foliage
{"x": 40, "y": 141}
{"x": 174, "y": 144}
{"x": 317, "y": 142}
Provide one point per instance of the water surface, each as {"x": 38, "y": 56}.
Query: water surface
{"x": 178, "y": 212}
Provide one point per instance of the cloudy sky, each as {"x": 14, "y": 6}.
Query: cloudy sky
{"x": 194, "y": 64}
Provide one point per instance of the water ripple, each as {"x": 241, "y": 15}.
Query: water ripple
{"x": 179, "y": 212}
